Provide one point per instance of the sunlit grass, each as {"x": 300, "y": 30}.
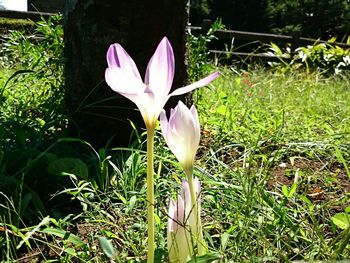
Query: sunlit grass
{"x": 270, "y": 160}
{"x": 260, "y": 104}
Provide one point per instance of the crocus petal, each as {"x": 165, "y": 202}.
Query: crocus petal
{"x": 118, "y": 57}
{"x": 178, "y": 234}
{"x": 197, "y": 84}
{"x": 197, "y": 188}
{"x": 186, "y": 196}
{"x": 172, "y": 216}
{"x": 160, "y": 70}
{"x": 176, "y": 214}
{"x": 122, "y": 81}
{"x": 183, "y": 225}
{"x": 185, "y": 133}
{"x": 164, "y": 125}
{"x": 180, "y": 211}
{"x": 182, "y": 133}
{"x": 196, "y": 127}
{"x": 189, "y": 206}
{"x": 131, "y": 88}
{"x": 185, "y": 190}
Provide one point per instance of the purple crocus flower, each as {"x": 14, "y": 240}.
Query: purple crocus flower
{"x": 150, "y": 95}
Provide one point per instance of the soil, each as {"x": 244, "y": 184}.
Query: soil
{"x": 320, "y": 180}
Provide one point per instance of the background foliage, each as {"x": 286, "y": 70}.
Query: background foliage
{"x": 311, "y": 18}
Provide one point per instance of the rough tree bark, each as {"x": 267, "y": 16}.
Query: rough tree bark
{"x": 97, "y": 113}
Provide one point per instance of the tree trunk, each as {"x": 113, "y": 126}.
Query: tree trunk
{"x": 97, "y": 114}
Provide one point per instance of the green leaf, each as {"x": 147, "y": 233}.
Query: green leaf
{"x": 65, "y": 235}
{"x": 122, "y": 198}
{"x": 222, "y": 110}
{"x": 341, "y": 220}
{"x": 340, "y": 158}
{"x": 308, "y": 202}
{"x": 276, "y": 49}
{"x": 292, "y": 190}
{"x": 71, "y": 251}
{"x": 157, "y": 219}
{"x": 109, "y": 234}
{"x": 224, "y": 239}
{"x": 132, "y": 203}
{"x": 69, "y": 165}
{"x": 285, "y": 190}
{"x": 41, "y": 121}
{"x": 107, "y": 247}
{"x": 289, "y": 192}
{"x": 205, "y": 259}
{"x": 347, "y": 210}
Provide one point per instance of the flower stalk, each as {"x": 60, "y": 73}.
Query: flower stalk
{"x": 198, "y": 234}
{"x": 150, "y": 192}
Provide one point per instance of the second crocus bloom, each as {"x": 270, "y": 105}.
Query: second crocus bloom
{"x": 182, "y": 133}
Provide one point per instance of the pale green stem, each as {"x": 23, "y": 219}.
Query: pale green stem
{"x": 150, "y": 193}
{"x": 198, "y": 235}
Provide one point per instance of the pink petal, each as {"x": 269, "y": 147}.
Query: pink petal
{"x": 197, "y": 129}
{"x": 130, "y": 87}
{"x": 164, "y": 125}
{"x": 200, "y": 83}
{"x": 197, "y": 185}
{"x": 172, "y": 218}
{"x": 186, "y": 194}
{"x": 183, "y": 123}
{"x": 160, "y": 70}
{"x": 122, "y": 81}
{"x": 180, "y": 211}
{"x": 118, "y": 57}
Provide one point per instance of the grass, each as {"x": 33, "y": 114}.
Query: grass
{"x": 261, "y": 106}
{"x": 273, "y": 163}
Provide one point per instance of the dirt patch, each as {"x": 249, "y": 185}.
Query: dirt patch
{"x": 318, "y": 180}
